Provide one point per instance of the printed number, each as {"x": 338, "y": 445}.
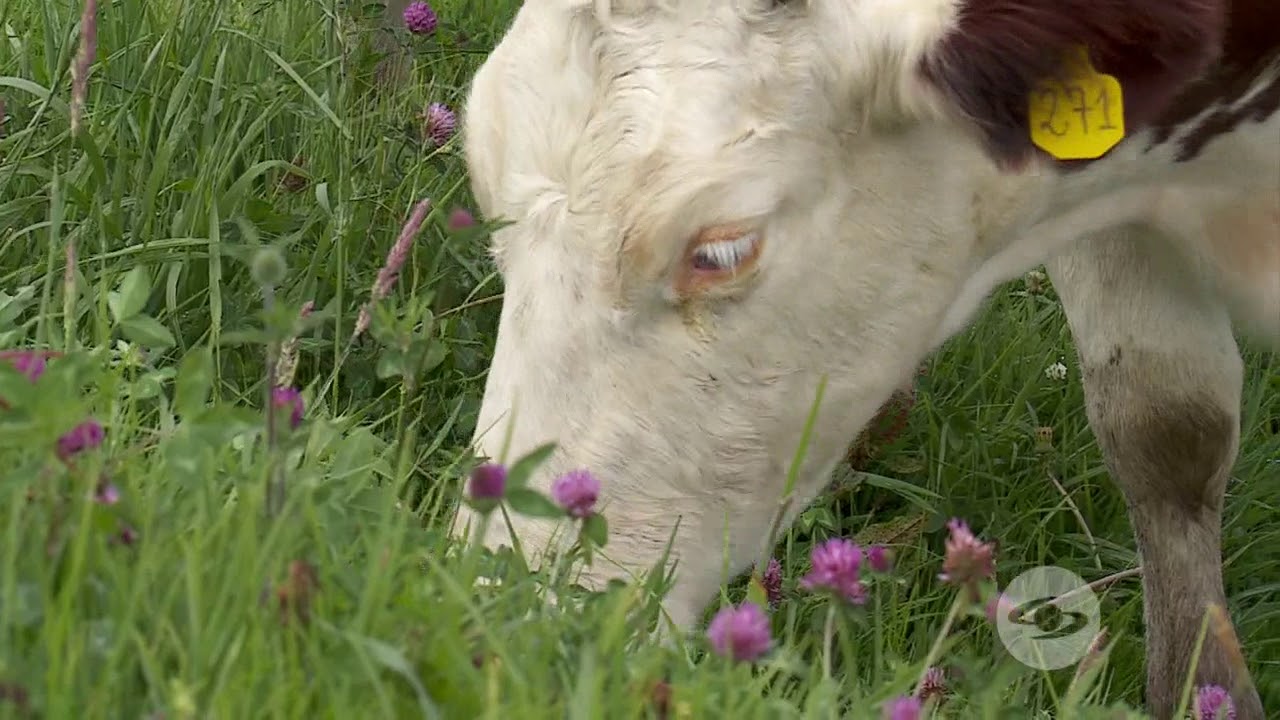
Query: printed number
{"x": 1048, "y": 123}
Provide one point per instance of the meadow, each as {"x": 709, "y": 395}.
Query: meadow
{"x": 178, "y": 541}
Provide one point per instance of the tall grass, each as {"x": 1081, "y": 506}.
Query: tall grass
{"x": 235, "y": 161}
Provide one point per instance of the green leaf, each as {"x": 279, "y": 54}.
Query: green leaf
{"x": 521, "y": 470}
{"x": 146, "y": 330}
{"x": 596, "y": 529}
{"x": 436, "y": 353}
{"x": 131, "y": 295}
{"x": 532, "y": 503}
{"x": 195, "y": 378}
{"x": 390, "y": 363}
{"x": 392, "y": 659}
{"x": 756, "y": 591}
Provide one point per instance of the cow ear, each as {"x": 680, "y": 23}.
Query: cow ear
{"x": 997, "y": 52}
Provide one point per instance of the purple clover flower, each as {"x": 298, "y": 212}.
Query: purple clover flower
{"x": 288, "y": 397}
{"x": 968, "y": 560}
{"x": 576, "y": 491}
{"x": 438, "y": 123}
{"x": 836, "y": 567}
{"x": 879, "y": 558}
{"x": 106, "y": 493}
{"x": 459, "y": 218}
{"x": 28, "y": 362}
{"x": 903, "y": 708}
{"x": 420, "y": 19}
{"x": 85, "y": 436}
{"x": 934, "y": 684}
{"x": 1213, "y": 702}
{"x": 488, "y": 482}
{"x": 740, "y": 634}
{"x": 772, "y": 582}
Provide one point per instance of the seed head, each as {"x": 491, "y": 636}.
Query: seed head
{"x": 934, "y": 684}
{"x": 741, "y": 633}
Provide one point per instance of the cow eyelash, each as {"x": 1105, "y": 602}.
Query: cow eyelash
{"x": 725, "y": 254}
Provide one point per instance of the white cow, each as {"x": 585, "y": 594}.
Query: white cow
{"x": 717, "y": 203}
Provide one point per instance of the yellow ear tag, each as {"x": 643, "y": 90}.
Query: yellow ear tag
{"x": 1080, "y": 117}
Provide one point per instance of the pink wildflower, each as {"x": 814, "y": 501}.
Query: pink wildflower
{"x": 836, "y": 566}
{"x": 488, "y": 482}
{"x": 460, "y": 218}
{"x": 772, "y": 582}
{"x": 85, "y": 436}
{"x": 934, "y": 684}
{"x": 420, "y": 19}
{"x": 438, "y": 123}
{"x": 903, "y": 708}
{"x": 1213, "y": 703}
{"x": 576, "y": 491}
{"x": 879, "y": 558}
{"x": 28, "y": 362}
{"x": 106, "y": 493}
{"x": 968, "y": 560}
{"x": 740, "y": 633}
{"x": 288, "y": 397}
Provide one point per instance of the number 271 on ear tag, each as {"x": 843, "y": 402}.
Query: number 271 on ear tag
{"x": 1079, "y": 117}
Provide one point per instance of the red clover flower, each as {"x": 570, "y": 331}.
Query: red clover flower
{"x": 488, "y": 482}
{"x": 576, "y": 491}
{"x": 1213, "y": 703}
{"x": 288, "y": 397}
{"x": 836, "y": 566}
{"x": 420, "y": 19}
{"x": 459, "y": 218}
{"x": 879, "y": 558}
{"x": 934, "y": 684}
{"x": 85, "y": 436}
{"x": 968, "y": 560}
{"x": 772, "y": 582}
{"x": 438, "y": 123}
{"x": 905, "y": 707}
{"x": 741, "y": 633}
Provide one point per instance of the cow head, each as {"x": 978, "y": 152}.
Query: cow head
{"x": 717, "y": 204}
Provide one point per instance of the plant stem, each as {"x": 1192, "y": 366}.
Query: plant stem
{"x": 936, "y": 650}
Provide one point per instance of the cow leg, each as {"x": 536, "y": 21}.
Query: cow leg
{"x": 1162, "y": 376}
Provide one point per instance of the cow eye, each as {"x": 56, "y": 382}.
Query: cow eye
{"x": 725, "y": 254}
{"x": 718, "y": 257}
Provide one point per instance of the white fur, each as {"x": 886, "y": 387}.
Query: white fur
{"x": 610, "y": 142}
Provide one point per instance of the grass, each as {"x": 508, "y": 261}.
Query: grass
{"x": 188, "y": 599}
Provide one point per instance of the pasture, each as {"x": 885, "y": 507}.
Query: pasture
{"x": 211, "y": 557}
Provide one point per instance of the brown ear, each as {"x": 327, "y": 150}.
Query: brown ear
{"x": 988, "y": 65}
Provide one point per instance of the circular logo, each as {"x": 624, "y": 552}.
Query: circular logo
{"x": 1047, "y": 618}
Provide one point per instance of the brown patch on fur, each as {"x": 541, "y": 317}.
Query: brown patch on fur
{"x": 1170, "y": 449}
{"x": 1251, "y": 46}
{"x": 1000, "y": 49}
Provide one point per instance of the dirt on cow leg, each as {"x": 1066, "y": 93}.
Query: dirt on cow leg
{"x": 1162, "y": 379}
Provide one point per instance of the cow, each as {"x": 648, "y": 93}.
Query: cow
{"x": 713, "y": 206}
